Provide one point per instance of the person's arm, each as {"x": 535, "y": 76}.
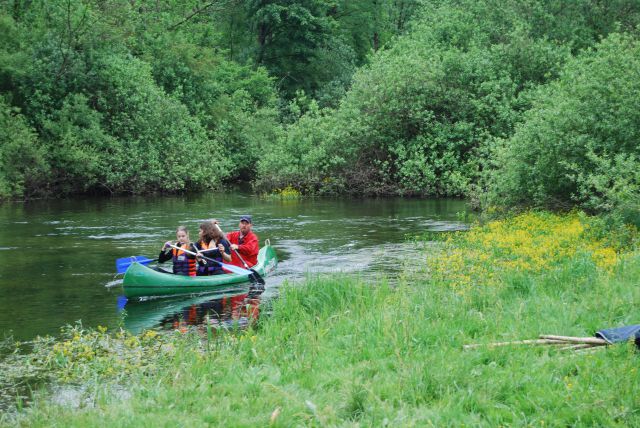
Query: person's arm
{"x": 165, "y": 253}
{"x": 191, "y": 247}
{"x": 225, "y": 250}
{"x": 164, "y": 256}
{"x": 249, "y": 247}
{"x": 210, "y": 252}
{"x": 199, "y": 260}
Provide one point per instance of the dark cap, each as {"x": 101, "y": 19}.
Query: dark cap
{"x": 246, "y": 218}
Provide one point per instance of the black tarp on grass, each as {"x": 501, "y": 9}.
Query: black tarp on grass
{"x": 621, "y": 334}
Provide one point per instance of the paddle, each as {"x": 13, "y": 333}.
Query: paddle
{"x": 123, "y": 264}
{"x": 255, "y": 276}
{"x": 231, "y": 268}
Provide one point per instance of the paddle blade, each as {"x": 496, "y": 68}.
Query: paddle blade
{"x": 123, "y": 264}
{"x": 256, "y": 278}
{"x": 235, "y": 269}
{"x": 121, "y": 303}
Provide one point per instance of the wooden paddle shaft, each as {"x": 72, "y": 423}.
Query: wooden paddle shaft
{"x": 235, "y": 269}
{"x": 197, "y": 254}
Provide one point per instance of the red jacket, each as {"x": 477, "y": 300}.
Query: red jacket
{"x": 248, "y": 249}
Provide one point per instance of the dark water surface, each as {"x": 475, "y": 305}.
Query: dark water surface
{"x": 57, "y": 257}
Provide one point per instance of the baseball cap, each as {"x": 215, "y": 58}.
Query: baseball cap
{"x": 246, "y": 218}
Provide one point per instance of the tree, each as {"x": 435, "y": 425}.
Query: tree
{"x": 290, "y": 34}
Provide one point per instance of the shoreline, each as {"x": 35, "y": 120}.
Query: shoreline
{"x": 339, "y": 350}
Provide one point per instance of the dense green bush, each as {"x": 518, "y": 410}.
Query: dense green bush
{"x": 235, "y": 103}
{"x": 410, "y": 97}
{"x": 579, "y": 143}
{"x": 425, "y": 116}
{"x": 418, "y": 120}
{"x": 22, "y": 164}
{"x": 78, "y": 146}
{"x": 116, "y": 103}
{"x": 161, "y": 147}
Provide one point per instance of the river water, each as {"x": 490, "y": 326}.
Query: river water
{"x": 58, "y": 256}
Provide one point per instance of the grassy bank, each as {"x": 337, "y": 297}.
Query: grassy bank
{"x": 340, "y": 352}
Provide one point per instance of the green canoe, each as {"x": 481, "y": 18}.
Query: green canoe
{"x": 141, "y": 281}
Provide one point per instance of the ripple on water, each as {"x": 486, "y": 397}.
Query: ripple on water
{"x": 442, "y": 226}
{"x": 125, "y": 236}
{"x": 366, "y": 262}
{"x": 114, "y": 283}
{"x": 83, "y": 227}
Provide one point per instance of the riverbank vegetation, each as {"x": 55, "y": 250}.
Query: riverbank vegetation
{"x": 381, "y": 354}
{"x": 476, "y": 103}
{"x": 135, "y": 97}
{"x": 506, "y": 103}
{"x": 511, "y": 104}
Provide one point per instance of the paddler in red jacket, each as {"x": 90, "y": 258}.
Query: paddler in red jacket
{"x": 245, "y": 242}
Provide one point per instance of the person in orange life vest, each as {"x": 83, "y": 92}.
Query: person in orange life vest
{"x": 245, "y": 242}
{"x": 183, "y": 263}
{"x": 213, "y": 245}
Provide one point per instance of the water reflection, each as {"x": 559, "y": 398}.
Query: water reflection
{"x": 230, "y": 310}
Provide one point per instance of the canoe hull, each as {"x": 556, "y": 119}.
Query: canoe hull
{"x": 142, "y": 281}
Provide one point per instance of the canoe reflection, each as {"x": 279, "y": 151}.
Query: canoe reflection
{"x": 232, "y": 312}
{"x": 224, "y": 310}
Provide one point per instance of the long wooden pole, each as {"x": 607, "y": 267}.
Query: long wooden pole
{"x": 577, "y": 346}
{"x": 517, "y": 342}
{"x": 573, "y": 339}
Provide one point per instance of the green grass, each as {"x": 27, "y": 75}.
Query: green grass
{"x": 341, "y": 352}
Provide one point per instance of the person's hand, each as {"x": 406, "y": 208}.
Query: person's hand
{"x": 221, "y": 248}
{"x": 234, "y": 247}
{"x": 167, "y": 245}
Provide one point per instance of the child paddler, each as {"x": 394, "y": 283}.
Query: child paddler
{"x": 183, "y": 263}
{"x": 213, "y": 245}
